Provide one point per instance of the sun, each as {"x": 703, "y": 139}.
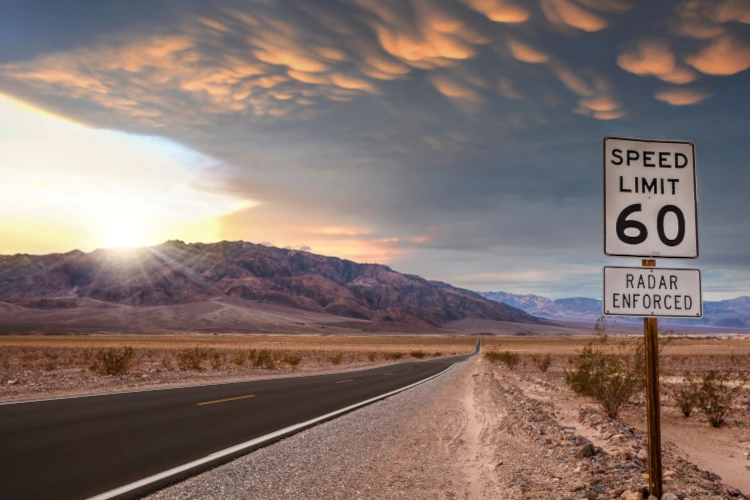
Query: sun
{"x": 123, "y": 231}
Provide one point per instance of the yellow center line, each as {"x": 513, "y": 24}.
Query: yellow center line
{"x": 224, "y": 400}
{"x": 344, "y": 381}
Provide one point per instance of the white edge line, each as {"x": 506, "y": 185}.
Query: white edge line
{"x": 253, "y": 442}
{"x": 210, "y": 384}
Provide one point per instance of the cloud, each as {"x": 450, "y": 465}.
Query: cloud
{"x": 500, "y": 11}
{"x": 454, "y": 89}
{"x": 412, "y": 119}
{"x": 725, "y": 55}
{"x": 652, "y": 57}
{"x": 682, "y": 97}
{"x": 567, "y": 13}
{"x": 526, "y": 53}
{"x": 430, "y": 38}
{"x": 705, "y": 19}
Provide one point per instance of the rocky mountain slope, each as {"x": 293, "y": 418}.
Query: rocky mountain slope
{"x": 176, "y": 273}
{"x": 732, "y": 313}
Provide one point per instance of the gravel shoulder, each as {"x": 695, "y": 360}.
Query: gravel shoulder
{"x": 477, "y": 432}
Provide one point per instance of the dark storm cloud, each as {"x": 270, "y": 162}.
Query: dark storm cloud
{"x": 462, "y": 135}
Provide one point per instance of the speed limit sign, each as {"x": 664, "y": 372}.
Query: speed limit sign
{"x": 650, "y": 199}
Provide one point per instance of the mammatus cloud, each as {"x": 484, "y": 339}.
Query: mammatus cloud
{"x": 653, "y": 57}
{"x": 501, "y": 11}
{"x": 682, "y": 96}
{"x": 724, "y": 55}
{"x": 526, "y": 53}
{"x": 437, "y": 134}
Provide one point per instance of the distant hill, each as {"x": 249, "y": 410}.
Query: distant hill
{"x": 176, "y": 274}
{"x": 734, "y": 313}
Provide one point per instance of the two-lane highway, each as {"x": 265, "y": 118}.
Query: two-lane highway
{"x": 79, "y": 447}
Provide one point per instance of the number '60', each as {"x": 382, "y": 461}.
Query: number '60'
{"x": 623, "y": 223}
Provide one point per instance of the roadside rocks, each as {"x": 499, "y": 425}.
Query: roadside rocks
{"x": 629, "y": 459}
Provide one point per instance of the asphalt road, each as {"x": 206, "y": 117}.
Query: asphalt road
{"x": 76, "y": 448}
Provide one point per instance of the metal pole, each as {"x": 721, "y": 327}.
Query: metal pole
{"x": 653, "y": 404}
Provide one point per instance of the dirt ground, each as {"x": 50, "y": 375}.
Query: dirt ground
{"x": 37, "y": 366}
{"x": 723, "y": 451}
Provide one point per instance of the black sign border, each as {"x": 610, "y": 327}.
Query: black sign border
{"x": 700, "y": 285}
{"x": 604, "y": 196}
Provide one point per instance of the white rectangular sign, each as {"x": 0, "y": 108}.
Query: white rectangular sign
{"x": 652, "y": 292}
{"x": 650, "y": 200}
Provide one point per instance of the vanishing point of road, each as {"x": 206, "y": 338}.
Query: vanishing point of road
{"x": 98, "y": 446}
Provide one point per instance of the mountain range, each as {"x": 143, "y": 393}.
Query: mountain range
{"x": 240, "y": 274}
{"x": 733, "y": 313}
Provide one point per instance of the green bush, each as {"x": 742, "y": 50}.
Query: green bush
{"x": 511, "y": 359}
{"x": 336, "y": 359}
{"x": 263, "y": 359}
{"x": 239, "y": 358}
{"x": 718, "y": 393}
{"x": 543, "y": 363}
{"x": 192, "y": 358}
{"x": 686, "y": 394}
{"x": 291, "y": 360}
{"x": 609, "y": 374}
{"x": 113, "y": 361}
{"x": 217, "y": 359}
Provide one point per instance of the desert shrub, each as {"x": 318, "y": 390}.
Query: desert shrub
{"x": 28, "y": 359}
{"x": 610, "y": 375}
{"x": 239, "y": 358}
{"x": 217, "y": 359}
{"x": 543, "y": 363}
{"x": 166, "y": 363}
{"x": 511, "y": 359}
{"x": 437, "y": 354}
{"x": 372, "y": 356}
{"x": 392, "y": 355}
{"x": 336, "y": 359}
{"x": 718, "y": 393}
{"x": 112, "y": 361}
{"x": 192, "y": 358}
{"x": 417, "y": 354}
{"x": 50, "y": 355}
{"x": 263, "y": 359}
{"x": 50, "y": 366}
{"x": 686, "y": 394}
{"x": 291, "y": 360}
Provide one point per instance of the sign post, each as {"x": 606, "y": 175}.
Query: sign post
{"x": 650, "y": 210}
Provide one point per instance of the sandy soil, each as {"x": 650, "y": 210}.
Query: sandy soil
{"x": 722, "y": 451}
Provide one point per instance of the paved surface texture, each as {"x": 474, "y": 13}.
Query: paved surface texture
{"x": 80, "y": 447}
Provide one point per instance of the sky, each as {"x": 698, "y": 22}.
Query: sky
{"x": 460, "y": 140}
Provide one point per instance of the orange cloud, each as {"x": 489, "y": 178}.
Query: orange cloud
{"x": 651, "y": 57}
{"x": 567, "y": 13}
{"x": 575, "y": 84}
{"x": 352, "y": 82}
{"x": 603, "y": 103}
{"x": 723, "y": 56}
{"x": 608, "y": 115}
{"x": 453, "y": 89}
{"x": 500, "y": 11}
{"x": 682, "y": 97}
{"x": 526, "y": 53}
{"x": 433, "y": 38}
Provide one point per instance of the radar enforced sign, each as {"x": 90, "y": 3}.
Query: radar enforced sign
{"x": 650, "y": 199}
{"x": 651, "y": 291}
